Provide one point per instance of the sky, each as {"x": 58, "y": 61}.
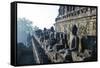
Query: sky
{"x": 40, "y": 15}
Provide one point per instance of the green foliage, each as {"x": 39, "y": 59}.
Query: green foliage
{"x": 24, "y": 25}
